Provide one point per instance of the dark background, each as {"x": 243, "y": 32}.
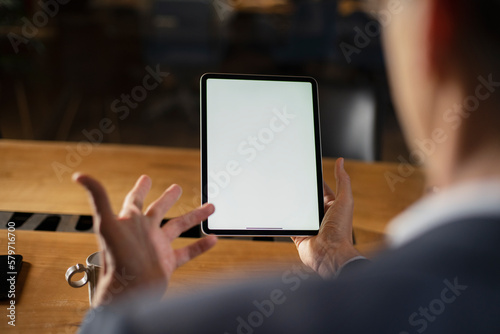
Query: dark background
{"x": 64, "y": 79}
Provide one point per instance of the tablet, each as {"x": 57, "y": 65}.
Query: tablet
{"x": 261, "y": 155}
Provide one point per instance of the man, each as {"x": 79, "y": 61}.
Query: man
{"x": 442, "y": 271}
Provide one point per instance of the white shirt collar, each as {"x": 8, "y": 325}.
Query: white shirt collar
{"x": 470, "y": 199}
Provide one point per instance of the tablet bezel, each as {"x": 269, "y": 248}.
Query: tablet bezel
{"x": 204, "y": 152}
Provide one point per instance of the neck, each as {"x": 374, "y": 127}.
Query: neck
{"x": 471, "y": 150}
{"x": 478, "y": 165}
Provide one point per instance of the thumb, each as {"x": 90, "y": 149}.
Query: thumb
{"x": 338, "y": 218}
{"x": 343, "y": 185}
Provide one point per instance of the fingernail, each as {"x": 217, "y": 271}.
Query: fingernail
{"x": 342, "y": 163}
{"x": 173, "y": 186}
{"x": 209, "y": 205}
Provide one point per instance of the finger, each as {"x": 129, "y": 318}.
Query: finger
{"x": 135, "y": 198}
{"x": 176, "y": 226}
{"x": 339, "y": 216}
{"x": 344, "y": 190}
{"x": 298, "y": 240}
{"x": 98, "y": 199}
{"x": 188, "y": 253}
{"x": 157, "y": 210}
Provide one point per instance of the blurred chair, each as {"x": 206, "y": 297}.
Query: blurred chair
{"x": 184, "y": 37}
{"x": 350, "y": 124}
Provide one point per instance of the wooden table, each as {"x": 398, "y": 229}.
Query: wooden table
{"x": 28, "y": 182}
{"x": 47, "y": 304}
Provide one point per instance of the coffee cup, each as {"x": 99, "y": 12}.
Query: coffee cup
{"x": 91, "y": 272}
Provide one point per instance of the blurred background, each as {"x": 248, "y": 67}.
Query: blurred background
{"x": 65, "y": 65}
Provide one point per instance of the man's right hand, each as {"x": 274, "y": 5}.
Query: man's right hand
{"x": 326, "y": 252}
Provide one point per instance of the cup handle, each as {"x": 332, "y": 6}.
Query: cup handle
{"x": 79, "y": 268}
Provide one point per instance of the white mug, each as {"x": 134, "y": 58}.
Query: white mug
{"x": 91, "y": 274}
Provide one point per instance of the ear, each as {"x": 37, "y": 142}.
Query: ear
{"x": 442, "y": 34}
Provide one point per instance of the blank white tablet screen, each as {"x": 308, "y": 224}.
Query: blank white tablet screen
{"x": 261, "y": 155}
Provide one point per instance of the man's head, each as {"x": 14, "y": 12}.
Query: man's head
{"x": 435, "y": 51}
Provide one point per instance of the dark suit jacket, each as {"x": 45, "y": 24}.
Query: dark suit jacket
{"x": 446, "y": 281}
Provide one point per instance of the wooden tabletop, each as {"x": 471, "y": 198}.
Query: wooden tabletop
{"x": 45, "y": 303}
{"x": 33, "y": 179}
{"x": 36, "y": 177}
